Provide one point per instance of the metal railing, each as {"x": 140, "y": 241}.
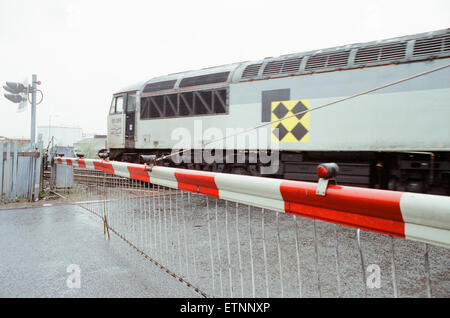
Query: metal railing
{"x": 241, "y": 236}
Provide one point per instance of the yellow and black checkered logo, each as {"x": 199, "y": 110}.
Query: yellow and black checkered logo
{"x": 295, "y": 128}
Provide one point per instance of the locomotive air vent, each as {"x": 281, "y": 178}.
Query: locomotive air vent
{"x": 159, "y": 86}
{"x": 291, "y": 65}
{"x": 435, "y": 45}
{"x": 251, "y": 71}
{"x": 378, "y": 53}
{"x": 282, "y": 66}
{"x": 327, "y": 60}
{"x": 204, "y": 79}
{"x": 272, "y": 68}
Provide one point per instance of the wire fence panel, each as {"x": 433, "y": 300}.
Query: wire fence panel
{"x": 20, "y": 168}
{"x": 223, "y": 248}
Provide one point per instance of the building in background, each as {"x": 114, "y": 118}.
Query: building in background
{"x": 63, "y": 136}
{"x": 90, "y": 146}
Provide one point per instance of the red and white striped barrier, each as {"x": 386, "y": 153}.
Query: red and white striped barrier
{"x": 419, "y": 217}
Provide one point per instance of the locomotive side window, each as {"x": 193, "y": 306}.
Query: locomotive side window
{"x": 156, "y": 107}
{"x": 203, "y": 102}
{"x": 207, "y": 102}
{"x": 185, "y": 104}
{"x": 220, "y": 101}
{"x": 170, "y": 105}
{"x": 131, "y": 103}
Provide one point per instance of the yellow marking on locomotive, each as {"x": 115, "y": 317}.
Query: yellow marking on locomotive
{"x": 293, "y": 129}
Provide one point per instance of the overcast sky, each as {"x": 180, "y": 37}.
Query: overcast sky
{"x": 83, "y": 51}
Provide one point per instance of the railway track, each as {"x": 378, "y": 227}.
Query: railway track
{"x": 96, "y": 177}
{"x": 90, "y": 177}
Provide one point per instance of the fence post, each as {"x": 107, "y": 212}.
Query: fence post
{"x": 8, "y": 172}
{"x": 53, "y": 171}
{"x": 30, "y": 175}
{"x": 14, "y": 173}
{"x": 41, "y": 175}
{"x": 37, "y": 174}
{"x": 1, "y": 171}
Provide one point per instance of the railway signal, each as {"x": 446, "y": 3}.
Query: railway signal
{"x": 17, "y": 93}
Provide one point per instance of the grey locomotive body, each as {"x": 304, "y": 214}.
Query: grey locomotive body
{"x": 397, "y": 137}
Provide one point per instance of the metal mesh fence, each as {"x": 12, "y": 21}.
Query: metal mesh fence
{"x": 227, "y": 249}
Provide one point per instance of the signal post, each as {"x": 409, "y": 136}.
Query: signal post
{"x": 18, "y": 93}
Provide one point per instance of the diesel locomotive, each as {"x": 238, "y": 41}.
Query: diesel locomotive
{"x": 397, "y": 137}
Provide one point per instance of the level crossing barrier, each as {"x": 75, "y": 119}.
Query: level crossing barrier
{"x": 231, "y": 235}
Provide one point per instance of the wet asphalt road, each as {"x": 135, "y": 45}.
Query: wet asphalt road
{"x": 38, "y": 244}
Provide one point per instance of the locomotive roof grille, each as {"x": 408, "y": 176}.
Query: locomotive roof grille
{"x": 338, "y": 59}
{"x": 379, "y": 53}
{"x": 273, "y": 67}
{"x": 291, "y": 65}
{"x": 251, "y": 70}
{"x": 423, "y": 46}
{"x": 438, "y": 44}
{"x": 282, "y": 66}
{"x": 405, "y": 49}
{"x": 204, "y": 79}
{"x": 159, "y": 86}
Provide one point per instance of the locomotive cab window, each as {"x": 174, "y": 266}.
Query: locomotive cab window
{"x": 112, "y": 110}
{"x": 116, "y": 105}
{"x": 119, "y": 104}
